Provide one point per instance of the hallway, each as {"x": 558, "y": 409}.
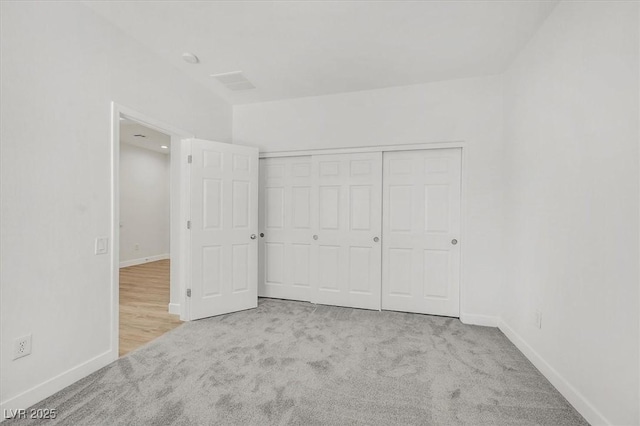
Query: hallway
{"x": 144, "y": 301}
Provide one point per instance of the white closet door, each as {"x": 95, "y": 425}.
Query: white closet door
{"x": 224, "y": 224}
{"x": 346, "y": 250}
{"x": 285, "y": 228}
{"x": 421, "y": 253}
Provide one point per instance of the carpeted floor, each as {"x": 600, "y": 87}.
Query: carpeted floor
{"x": 297, "y": 363}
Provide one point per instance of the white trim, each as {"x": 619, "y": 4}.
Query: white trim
{"x": 116, "y": 112}
{"x": 378, "y": 148}
{"x": 575, "y": 398}
{"x": 478, "y": 319}
{"x": 43, "y": 390}
{"x": 185, "y": 237}
{"x": 143, "y": 260}
{"x": 174, "y": 308}
{"x": 462, "y": 290}
{"x": 152, "y": 123}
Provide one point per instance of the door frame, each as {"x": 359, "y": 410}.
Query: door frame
{"x": 462, "y": 145}
{"x": 179, "y": 178}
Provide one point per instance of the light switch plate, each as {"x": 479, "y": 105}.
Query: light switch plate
{"x": 102, "y": 245}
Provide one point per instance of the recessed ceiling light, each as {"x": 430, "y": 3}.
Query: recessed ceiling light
{"x": 190, "y": 58}
{"x": 164, "y": 147}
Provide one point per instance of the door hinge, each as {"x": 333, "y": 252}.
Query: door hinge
{"x": 189, "y": 159}
{"x": 188, "y": 292}
{"x": 188, "y": 224}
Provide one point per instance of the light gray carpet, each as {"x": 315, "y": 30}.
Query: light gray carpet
{"x": 297, "y": 363}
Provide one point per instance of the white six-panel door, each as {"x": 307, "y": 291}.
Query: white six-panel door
{"x": 346, "y": 216}
{"x": 421, "y": 229}
{"x": 285, "y": 228}
{"x": 224, "y": 227}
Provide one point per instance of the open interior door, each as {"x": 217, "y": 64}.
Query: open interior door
{"x": 223, "y": 228}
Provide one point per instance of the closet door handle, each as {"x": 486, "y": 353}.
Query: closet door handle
{"x": 315, "y": 237}
{"x": 376, "y": 239}
{"x": 262, "y": 234}
{"x": 253, "y": 236}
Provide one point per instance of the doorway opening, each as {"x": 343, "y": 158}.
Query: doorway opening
{"x": 145, "y": 255}
{"x": 147, "y": 246}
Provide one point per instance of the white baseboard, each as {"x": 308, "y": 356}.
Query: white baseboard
{"x": 134, "y": 262}
{"x": 579, "y": 402}
{"x": 44, "y": 390}
{"x": 174, "y": 308}
{"x": 476, "y": 319}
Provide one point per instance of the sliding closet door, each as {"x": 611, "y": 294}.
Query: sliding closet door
{"x": 421, "y": 251}
{"x": 346, "y": 214}
{"x": 285, "y": 228}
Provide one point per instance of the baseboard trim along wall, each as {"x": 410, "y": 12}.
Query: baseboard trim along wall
{"x": 44, "y": 390}
{"x": 476, "y": 319}
{"x": 142, "y": 260}
{"x": 579, "y": 402}
{"x": 174, "y": 308}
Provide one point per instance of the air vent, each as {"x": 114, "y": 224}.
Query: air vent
{"x": 234, "y": 80}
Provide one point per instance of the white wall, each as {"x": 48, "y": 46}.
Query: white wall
{"x": 571, "y": 205}
{"x": 61, "y": 67}
{"x": 467, "y": 110}
{"x": 144, "y": 203}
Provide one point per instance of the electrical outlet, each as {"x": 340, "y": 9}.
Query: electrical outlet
{"x": 537, "y": 318}
{"x": 22, "y": 346}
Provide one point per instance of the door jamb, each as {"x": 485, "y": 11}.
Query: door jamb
{"x": 178, "y": 153}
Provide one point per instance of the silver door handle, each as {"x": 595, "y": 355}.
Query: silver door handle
{"x": 315, "y": 237}
{"x": 253, "y": 236}
{"x": 454, "y": 241}
{"x": 376, "y": 239}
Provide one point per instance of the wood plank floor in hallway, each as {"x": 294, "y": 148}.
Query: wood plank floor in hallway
{"x": 144, "y": 302}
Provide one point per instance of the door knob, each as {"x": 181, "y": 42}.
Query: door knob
{"x": 376, "y": 239}
{"x": 454, "y": 241}
{"x": 253, "y": 236}
{"x": 315, "y": 237}
{"x": 262, "y": 234}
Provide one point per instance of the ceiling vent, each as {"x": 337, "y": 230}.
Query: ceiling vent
{"x": 234, "y": 80}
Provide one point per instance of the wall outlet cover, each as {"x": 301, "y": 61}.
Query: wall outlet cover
{"x": 22, "y": 346}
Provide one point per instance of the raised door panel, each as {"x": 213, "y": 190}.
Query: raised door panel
{"x": 301, "y": 207}
{"x": 241, "y": 204}
{"x": 211, "y": 271}
{"x": 274, "y": 263}
{"x": 212, "y": 207}
{"x": 301, "y": 264}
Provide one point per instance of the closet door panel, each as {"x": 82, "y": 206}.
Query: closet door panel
{"x": 285, "y": 227}
{"x": 346, "y": 257}
{"x": 421, "y": 229}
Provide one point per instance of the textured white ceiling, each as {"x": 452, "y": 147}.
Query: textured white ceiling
{"x": 296, "y": 49}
